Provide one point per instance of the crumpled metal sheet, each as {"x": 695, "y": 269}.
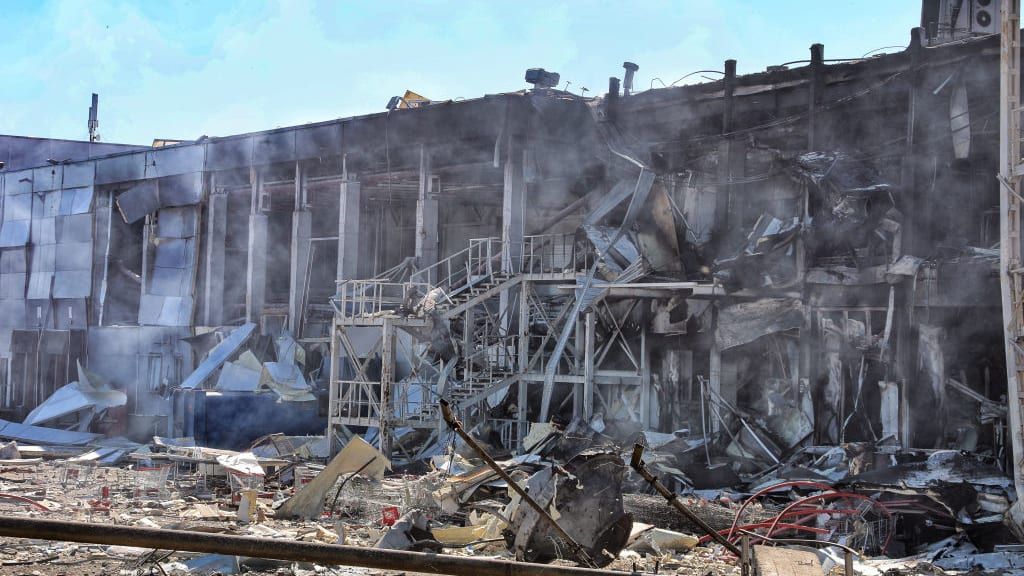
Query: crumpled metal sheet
{"x": 245, "y": 464}
{"x": 89, "y": 391}
{"x": 287, "y": 381}
{"x": 237, "y": 377}
{"x": 588, "y": 505}
{"x": 41, "y": 435}
{"x": 747, "y": 321}
{"x": 839, "y": 172}
{"x": 617, "y": 257}
{"x": 219, "y": 355}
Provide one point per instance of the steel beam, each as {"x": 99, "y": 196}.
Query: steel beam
{"x": 277, "y": 549}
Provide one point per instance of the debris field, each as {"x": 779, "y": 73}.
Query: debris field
{"x": 763, "y": 324}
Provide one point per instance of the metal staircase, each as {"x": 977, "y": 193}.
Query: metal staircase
{"x": 397, "y": 381}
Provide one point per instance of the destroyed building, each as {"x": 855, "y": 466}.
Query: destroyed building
{"x": 515, "y": 325}
{"x": 805, "y": 255}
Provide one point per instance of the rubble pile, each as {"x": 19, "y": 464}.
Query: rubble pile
{"x": 895, "y": 511}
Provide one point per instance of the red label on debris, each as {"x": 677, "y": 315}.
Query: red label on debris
{"x": 389, "y": 516}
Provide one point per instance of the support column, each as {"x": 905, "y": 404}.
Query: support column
{"x": 906, "y": 340}
{"x": 256, "y": 269}
{"x": 579, "y": 339}
{"x": 387, "y": 373}
{"x": 645, "y": 380}
{"x": 334, "y": 394}
{"x": 513, "y": 205}
{"x": 349, "y": 230}
{"x": 806, "y": 365}
{"x": 216, "y": 234}
{"x": 427, "y": 238}
{"x": 816, "y": 87}
{"x": 589, "y": 329}
{"x": 912, "y": 241}
{"x": 524, "y": 358}
{"x": 302, "y": 231}
{"x": 715, "y": 376}
{"x": 726, "y": 151}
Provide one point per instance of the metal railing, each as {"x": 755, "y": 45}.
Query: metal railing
{"x": 494, "y": 360}
{"x": 414, "y": 401}
{"x": 549, "y": 253}
{"x": 357, "y": 402}
{"x": 483, "y": 259}
{"x": 374, "y": 297}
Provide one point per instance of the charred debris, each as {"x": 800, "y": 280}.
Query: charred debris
{"x": 771, "y": 298}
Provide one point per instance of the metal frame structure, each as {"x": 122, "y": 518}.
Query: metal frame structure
{"x": 510, "y": 309}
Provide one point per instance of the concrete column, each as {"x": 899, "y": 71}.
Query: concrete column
{"x": 256, "y": 276}
{"x": 256, "y": 269}
{"x": 302, "y": 228}
{"x": 427, "y": 238}
{"x": 349, "y": 230}
{"x": 513, "y": 205}
{"x": 216, "y": 232}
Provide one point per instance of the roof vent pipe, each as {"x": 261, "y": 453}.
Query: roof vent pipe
{"x": 627, "y": 81}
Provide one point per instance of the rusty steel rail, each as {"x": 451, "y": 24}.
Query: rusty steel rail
{"x": 326, "y": 554}
{"x": 637, "y": 464}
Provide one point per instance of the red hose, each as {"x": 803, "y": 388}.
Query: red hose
{"x": 798, "y": 527}
{"x": 25, "y": 500}
{"x": 755, "y": 495}
{"x": 831, "y": 496}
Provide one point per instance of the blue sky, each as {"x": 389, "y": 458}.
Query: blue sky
{"x": 182, "y": 69}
